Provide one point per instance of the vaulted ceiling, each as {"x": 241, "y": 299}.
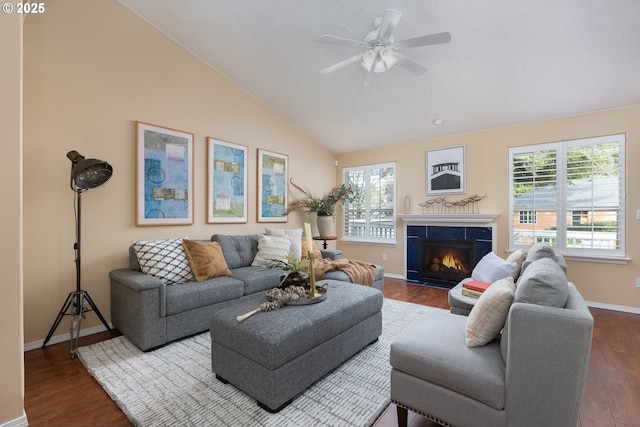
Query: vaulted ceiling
{"x": 508, "y": 62}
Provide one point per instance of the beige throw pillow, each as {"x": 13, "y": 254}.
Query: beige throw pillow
{"x": 305, "y": 249}
{"x": 294, "y": 235}
{"x": 488, "y": 316}
{"x": 205, "y": 259}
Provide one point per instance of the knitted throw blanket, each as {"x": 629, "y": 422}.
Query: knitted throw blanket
{"x": 358, "y": 271}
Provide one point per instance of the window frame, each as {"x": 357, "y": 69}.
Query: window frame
{"x": 367, "y": 238}
{"x": 562, "y": 221}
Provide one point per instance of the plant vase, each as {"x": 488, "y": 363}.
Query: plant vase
{"x": 325, "y": 225}
{"x": 294, "y": 278}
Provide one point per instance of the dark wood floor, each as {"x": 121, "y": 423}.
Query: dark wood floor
{"x": 60, "y": 392}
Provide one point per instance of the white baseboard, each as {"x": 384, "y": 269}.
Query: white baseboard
{"x": 18, "y": 422}
{"x": 622, "y": 308}
{"x": 64, "y": 337}
{"x": 394, "y": 276}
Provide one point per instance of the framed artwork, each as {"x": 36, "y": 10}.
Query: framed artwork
{"x": 226, "y": 182}
{"x": 446, "y": 170}
{"x": 164, "y": 176}
{"x": 272, "y": 186}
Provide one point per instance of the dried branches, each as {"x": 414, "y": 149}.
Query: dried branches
{"x": 276, "y": 298}
{"x": 442, "y": 205}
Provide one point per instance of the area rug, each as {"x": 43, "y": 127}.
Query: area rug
{"x": 174, "y": 385}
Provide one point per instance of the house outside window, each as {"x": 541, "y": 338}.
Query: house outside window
{"x": 576, "y": 189}
{"x": 371, "y": 215}
{"x": 527, "y": 217}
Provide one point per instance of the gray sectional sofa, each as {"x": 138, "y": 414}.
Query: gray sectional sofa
{"x": 151, "y": 313}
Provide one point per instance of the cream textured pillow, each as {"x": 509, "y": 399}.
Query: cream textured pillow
{"x": 488, "y": 316}
{"x": 294, "y": 235}
{"x": 271, "y": 247}
{"x": 164, "y": 259}
{"x": 205, "y": 259}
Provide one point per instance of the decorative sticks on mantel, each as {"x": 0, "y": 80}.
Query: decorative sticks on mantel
{"x": 442, "y": 205}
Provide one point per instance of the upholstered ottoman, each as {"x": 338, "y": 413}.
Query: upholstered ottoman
{"x": 274, "y": 355}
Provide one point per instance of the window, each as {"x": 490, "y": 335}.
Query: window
{"x": 527, "y": 217}
{"x": 573, "y": 193}
{"x": 371, "y": 215}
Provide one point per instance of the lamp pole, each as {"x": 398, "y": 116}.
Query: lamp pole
{"x": 76, "y": 303}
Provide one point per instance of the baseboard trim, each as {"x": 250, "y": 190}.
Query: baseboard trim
{"x": 18, "y": 422}
{"x": 64, "y": 337}
{"x": 621, "y": 308}
{"x": 394, "y": 276}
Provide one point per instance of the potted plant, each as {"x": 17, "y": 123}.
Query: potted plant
{"x": 295, "y": 271}
{"x": 325, "y": 206}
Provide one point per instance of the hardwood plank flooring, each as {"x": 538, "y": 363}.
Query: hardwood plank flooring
{"x": 60, "y": 392}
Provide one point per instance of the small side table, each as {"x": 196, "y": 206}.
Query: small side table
{"x": 324, "y": 240}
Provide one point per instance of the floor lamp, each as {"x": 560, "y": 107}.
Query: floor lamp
{"x": 85, "y": 174}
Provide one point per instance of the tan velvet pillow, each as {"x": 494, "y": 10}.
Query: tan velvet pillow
{"x": 488, "y": 315}
{"x": 305, "y": 249}
{"x": 205, "y": 259}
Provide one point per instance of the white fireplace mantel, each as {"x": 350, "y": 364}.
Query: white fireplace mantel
{"x": 447, "y": 219}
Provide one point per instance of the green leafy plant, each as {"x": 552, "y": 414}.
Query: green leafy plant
{"x": 325, "y": 205}
{"x": 290, "y": 265}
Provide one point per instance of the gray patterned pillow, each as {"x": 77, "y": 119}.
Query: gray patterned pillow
{"x": 164, "y": 259}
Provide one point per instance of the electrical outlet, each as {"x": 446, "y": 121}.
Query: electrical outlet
{"x": 384, "y": 258}
{"x": 637, "y": 282}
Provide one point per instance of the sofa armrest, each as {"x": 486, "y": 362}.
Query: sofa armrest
{"x": 136, "y": 280}
{"x": 331, "y": 253}
{"x": 548, "y": 353}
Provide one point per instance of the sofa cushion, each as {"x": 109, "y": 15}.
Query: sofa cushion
{"x": 202, "y": 294}
{"x": 491, "y": 268}
{"x": 205, "y": 259}
{"x": 433, "y": 349}
{"x": 238, "y": 250}
{"x": 518, "y": 257}
{"x": 294, "y": 235}
{"x": 271, "y": 248}
{"x": 488, "y": 315}
{"x": 539, "y": 251}
{"x": 544, "y": 283}
{"x": 164, "y": 259}
{"x": 258, "y": 279}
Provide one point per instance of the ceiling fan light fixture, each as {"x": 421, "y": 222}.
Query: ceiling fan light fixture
{"x": 387, "y": 56}
{"x": 368, "y": 58}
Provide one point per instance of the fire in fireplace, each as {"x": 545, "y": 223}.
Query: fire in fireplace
{"x": 446, "y": 261}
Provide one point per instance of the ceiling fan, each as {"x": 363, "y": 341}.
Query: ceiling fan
{"x": 381, "y": 50}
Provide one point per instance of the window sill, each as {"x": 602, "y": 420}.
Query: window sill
{"x": 386, "y": 242}
{"x": 601, "y": 259}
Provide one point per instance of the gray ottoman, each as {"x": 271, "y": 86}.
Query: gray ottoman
{"x": 275, "y": 355}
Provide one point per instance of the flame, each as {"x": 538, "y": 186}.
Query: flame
{"x": 449, "y": 261}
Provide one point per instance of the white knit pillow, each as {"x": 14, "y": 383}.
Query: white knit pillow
{"x": 164, "y": 259}
{"x": 488, "y": 315}
{"x": 271, "y": 247}
{"x": 294, "y": 235}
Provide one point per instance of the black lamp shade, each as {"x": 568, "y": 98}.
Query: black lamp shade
{"x": 88, "y": 173}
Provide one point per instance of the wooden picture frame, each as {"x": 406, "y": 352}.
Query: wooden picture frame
{"x": 226, "y": 182}
{"x": 273, "y": 169}
{"x": 445, "y": 170}
{"x": 164, "y": 176}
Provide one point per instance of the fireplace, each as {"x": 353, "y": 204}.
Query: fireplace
{"x": 446, "y": 261}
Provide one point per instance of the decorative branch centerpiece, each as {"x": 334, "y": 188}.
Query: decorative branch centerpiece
{"x": 442, "y": 205}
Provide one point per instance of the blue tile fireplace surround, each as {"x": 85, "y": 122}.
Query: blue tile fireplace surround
{"x": 474, "y": 227}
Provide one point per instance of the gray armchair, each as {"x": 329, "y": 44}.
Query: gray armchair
{"x": 535, "y": 379}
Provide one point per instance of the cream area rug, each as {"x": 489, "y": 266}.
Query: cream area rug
{"x": 174, "y": 385}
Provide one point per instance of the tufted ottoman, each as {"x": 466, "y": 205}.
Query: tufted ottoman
{"x": 275, "y": 355}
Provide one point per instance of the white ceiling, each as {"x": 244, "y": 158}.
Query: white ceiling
{"x": 509, "y": 61}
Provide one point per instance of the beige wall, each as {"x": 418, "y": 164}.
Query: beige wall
{"x": 487, "y": 172}
{"x": 91, "y": 70}
{"x": 11, "y": 325}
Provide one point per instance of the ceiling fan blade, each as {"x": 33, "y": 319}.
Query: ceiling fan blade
{"x": 341, "y": 41}
{"x": 410, "y": 64}
{"x": 341, "y": 64}
{"x": 431, "y": 39}
{"x": 389, "y": 22}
